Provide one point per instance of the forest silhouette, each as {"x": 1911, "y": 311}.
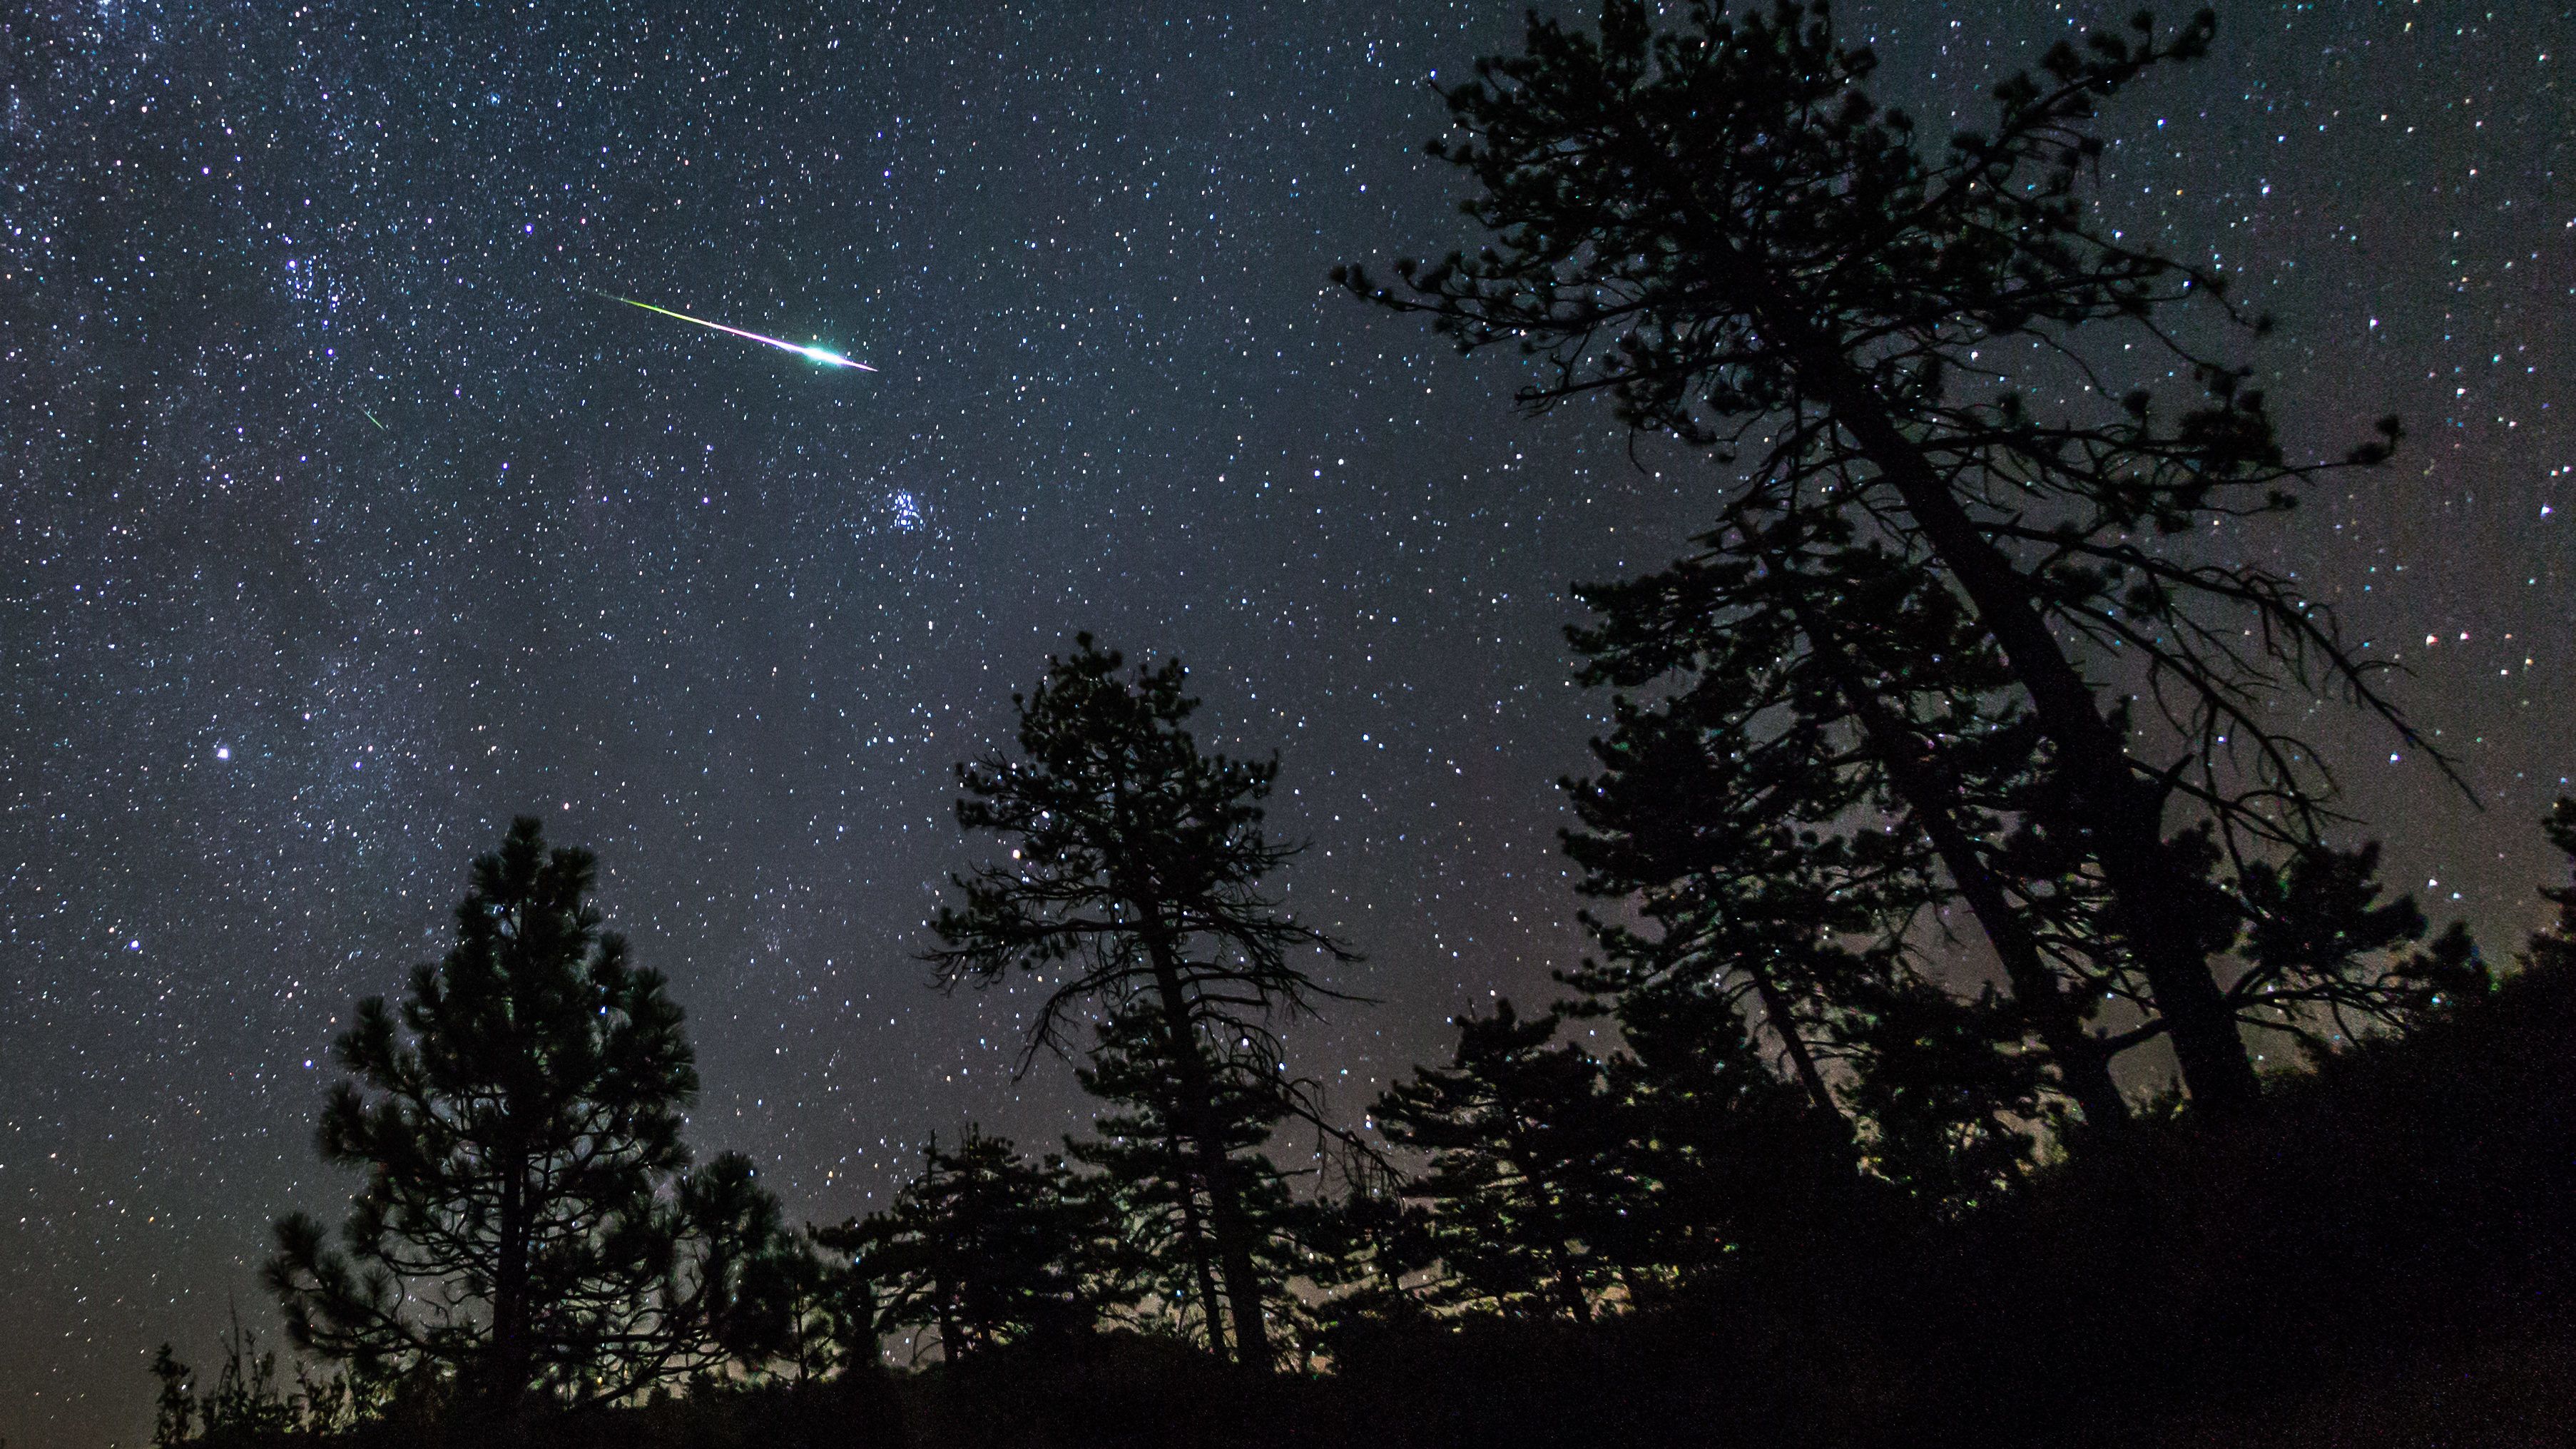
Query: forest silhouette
{"x": 1951, "y": 872}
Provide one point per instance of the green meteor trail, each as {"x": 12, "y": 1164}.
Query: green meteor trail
{"x": 823, "y": 355}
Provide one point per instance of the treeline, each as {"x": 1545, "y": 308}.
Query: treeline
{"x": 515, "y": 1119}
{"x": 1946, "y": 808}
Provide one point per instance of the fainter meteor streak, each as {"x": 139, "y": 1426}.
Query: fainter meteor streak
{"x": 823, "y": 355}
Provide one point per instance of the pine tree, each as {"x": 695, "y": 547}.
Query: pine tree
{"x": 2554, "y": 947}
{"x": 1721, "y": 1154}
{"x": 529, "y": 1221}
{"x": 1524, "y": 1189}
{"x": 822, "y": 1309}
{"x": 1152, "y": 1169}
{"x": 1363, "y": 1243}
{"x": 1820, "y": 765}
{"x": 735, "y": 1301}
{"x": 245, "y": 1404}
{"x": 1720, "y": 230}
{"x": 2326, "y": 960}
{"x": 983, "y": 1247}
{"x": 1952, "y": 1107}
{"x": 1716, "y": 814}
{"x": 1136, "y": 877}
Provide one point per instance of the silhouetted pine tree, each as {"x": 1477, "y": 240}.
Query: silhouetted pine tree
{"x": 246, "y": 1404}
{"x": 2327, "y": 961}
{"x": 1153, "y": 1169}
{"x": 1719, "y": 1153}
{"x": 737, "y": 1275}
{"x": 1136, "y": 877}
{"x": 984, "y": 1248}
{"x": 823, "y": 1309}
{"x": 1717, "y": 815}
{"x": 1819, "y": 774}
{"x": 1762, "y": 840}
{"x": 1362, "y": 1243}
{"x": 2554, "y": 946}
{"x": 1525, "y": 1187}
{"x": 529, "y": 1220}
{"x": 1951, "y": 1106}
{"x": 1718, "y": 228}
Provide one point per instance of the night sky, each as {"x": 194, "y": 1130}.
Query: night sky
{"x": 343, "y": 522}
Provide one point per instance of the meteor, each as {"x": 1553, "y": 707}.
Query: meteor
{"x": 823, "y": 355}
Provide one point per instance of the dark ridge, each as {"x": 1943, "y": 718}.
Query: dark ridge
{"x": 2382, "y": 1257}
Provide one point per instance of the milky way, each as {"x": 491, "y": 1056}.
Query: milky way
{"x": 341, "y": 526}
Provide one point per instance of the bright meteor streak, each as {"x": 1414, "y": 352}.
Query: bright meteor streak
{"x": 823, "y": 355}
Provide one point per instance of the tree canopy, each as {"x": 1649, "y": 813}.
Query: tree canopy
{"x": 1136, "y": 883}
{"x": 1719, "y": 229}
{"x": 529, "y": 1221}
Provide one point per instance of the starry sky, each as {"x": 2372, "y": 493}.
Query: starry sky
{"x": 343, "y": 521}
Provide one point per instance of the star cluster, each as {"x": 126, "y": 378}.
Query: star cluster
{"x": 344, "y": 521}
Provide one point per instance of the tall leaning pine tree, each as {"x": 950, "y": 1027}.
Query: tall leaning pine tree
{"x": 1135, "y": 884}
{"x": 1719, "y": 229}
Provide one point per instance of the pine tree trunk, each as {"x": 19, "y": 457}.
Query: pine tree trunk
{"x": 1225, "y": 1206}
{"x": 1242, "y": 1278}
{"x": 2148, "y": 892}
{"x": 2082, "y": 1065}
{"x": 952, "y": 1344}
{"x": 1569, "y": 1284}
{"x": 511, "y": 1352}
{"x": 1196, "y": 1232}
{"x": 1775, "y": 1010}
